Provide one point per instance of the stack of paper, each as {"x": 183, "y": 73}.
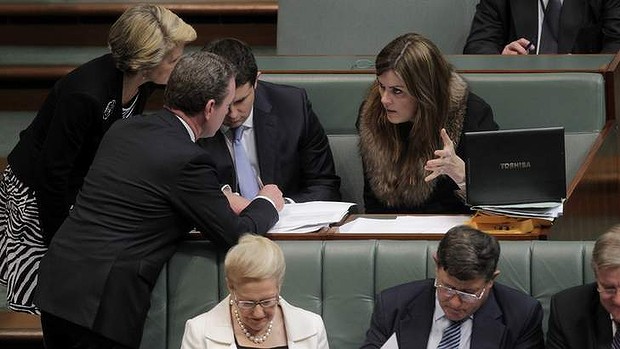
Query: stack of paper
{"x": 431, "y": 224}
{"x": 541, "y": 210}
{"x": 310, "y": 216}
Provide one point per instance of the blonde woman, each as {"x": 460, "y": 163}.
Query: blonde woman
{"x": 47, "y": 167}
{"x": 410, "y": 125}
{"x": 254, "y": 315}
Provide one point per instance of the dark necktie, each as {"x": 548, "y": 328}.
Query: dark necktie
{"x": 248, "y": 183}
{"x": 451, "y": 336}
{"x": 615, "y": 343}
{"x": 550, "y": 27}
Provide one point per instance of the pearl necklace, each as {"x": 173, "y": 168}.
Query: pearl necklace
{"x": 255, "y": 339}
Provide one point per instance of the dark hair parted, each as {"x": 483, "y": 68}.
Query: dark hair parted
{"x": 467, "y": 253}
{"x": 196, "y": 79}
{"x": 239, "y": 54}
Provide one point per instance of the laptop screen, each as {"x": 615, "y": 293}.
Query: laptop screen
{"x": 515, "y": 166}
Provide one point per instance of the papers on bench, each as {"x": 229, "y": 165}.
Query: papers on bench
{"x": 310, "y": 216}
{"x": 541, "y": 210}
{"x": 431, "y": 224}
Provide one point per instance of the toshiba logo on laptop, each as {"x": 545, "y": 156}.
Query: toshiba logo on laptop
{"x": 519, "y": 165}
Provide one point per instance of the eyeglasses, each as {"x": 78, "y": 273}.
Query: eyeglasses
{"x": 265, "y": 303}
{"x": 448, "y": 292}
{"x": 606, "y": 291}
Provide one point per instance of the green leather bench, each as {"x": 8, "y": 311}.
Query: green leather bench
{"x": 339, "y": 280}
{"x": 519, "y": 100}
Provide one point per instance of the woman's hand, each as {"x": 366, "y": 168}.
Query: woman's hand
{"x": 446, "y": 162}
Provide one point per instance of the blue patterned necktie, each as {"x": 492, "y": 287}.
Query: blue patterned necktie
{"x": 615, "y": 343}
{"x": 550, "y": 31}
{"x": 451, "y": 336}
{"x": 248, "y": 183}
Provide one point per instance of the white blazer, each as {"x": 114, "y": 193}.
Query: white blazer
{"x": 213, "y": 329}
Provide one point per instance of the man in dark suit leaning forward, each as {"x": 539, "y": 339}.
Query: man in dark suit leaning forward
{"x": 588, "y": 316}
{"x": 462, "y": 307}
{"x": 279, "y": 134}
{"x": 147, "y": 187}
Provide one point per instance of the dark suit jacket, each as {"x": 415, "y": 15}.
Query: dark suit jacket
{"x": 586, "y": 26}
{"x": 292, "y": 148}
{"x": 149, "y": 184}
{"x": 578, "y": 320}
{"x": 55, "y": 151}
{"x": 507, "y": 319}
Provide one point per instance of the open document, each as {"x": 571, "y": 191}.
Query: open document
{"x": 310, "y": 216}
{"x": 428, "y": 224}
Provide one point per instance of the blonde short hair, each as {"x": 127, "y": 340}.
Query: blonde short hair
{"x": 254, "y": 258}
{"x": 606, "y": 252}
{"x": 144, "y": 34}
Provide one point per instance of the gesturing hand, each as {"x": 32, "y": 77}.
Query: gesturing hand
{"x": 446, "y": 162}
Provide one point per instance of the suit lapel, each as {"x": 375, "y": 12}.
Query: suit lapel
{"x": 218, "y": 151}
{"x": 416, "y": 323}
{"x": 525, "y": 13}
{"x": 266, "y": 135}
{"x": 602, "y": 328}
{"x": 570, "y": 22}
{"x": 488, "y": 329}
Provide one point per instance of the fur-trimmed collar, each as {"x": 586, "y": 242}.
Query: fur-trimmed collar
{"x": 391, "y": 181}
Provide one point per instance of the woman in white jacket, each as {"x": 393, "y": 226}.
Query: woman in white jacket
{"x": 254, "y": 315}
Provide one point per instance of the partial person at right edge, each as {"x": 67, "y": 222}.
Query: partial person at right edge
{"x": 515, "y": 27}
{"x": 410, "y": 125}
{"x": 588, "y": 316}
{"x": 277, "y": 130}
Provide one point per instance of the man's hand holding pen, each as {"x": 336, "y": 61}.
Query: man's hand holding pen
{"x": 519, "y": 47}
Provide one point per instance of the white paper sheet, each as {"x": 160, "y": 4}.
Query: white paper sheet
{"x": 431, "y": 224}
{"x": 391, "y": 343}
{"x": 310, "y": 216}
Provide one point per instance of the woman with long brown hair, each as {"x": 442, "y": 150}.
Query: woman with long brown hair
{"x": 410, "y": 125}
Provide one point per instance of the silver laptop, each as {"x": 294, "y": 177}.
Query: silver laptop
{"x": 515, "y": 166}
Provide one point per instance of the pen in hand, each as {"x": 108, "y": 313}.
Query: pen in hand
{"x": 530, "y": 47}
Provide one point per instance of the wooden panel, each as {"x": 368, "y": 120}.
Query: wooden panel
{"x": 593, "y": 205}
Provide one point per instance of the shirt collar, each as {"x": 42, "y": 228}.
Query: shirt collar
{"x": 189, "y": 129}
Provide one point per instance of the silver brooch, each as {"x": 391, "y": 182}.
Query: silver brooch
{"x": 109, "y": 109}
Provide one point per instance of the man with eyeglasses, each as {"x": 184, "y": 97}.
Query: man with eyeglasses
{"x": 463, "y": 307}
{"x": 587, "y": 316}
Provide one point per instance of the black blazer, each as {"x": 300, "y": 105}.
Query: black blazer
{"x": 292, "y": 148}
{"x": 507, "y": 319}
{"x": 55, "y": 151}
{"x": 578, "y": 320}
{"x": 149, "y": 184}
{"x": 586, "y": 26}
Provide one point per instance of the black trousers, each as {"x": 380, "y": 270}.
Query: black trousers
{"x": 61, "y": 334}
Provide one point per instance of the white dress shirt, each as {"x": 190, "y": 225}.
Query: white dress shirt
{"x": 440, "y": 323}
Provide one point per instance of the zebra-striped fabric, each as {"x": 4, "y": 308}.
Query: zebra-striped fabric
{"x": 451, "y": 337}
{"x": 21, "y": 243}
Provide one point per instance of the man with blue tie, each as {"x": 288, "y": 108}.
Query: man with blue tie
{"x": 271, "y": 135}
{"x": 463, "y": 307}
{"x": 588, "y": 316}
